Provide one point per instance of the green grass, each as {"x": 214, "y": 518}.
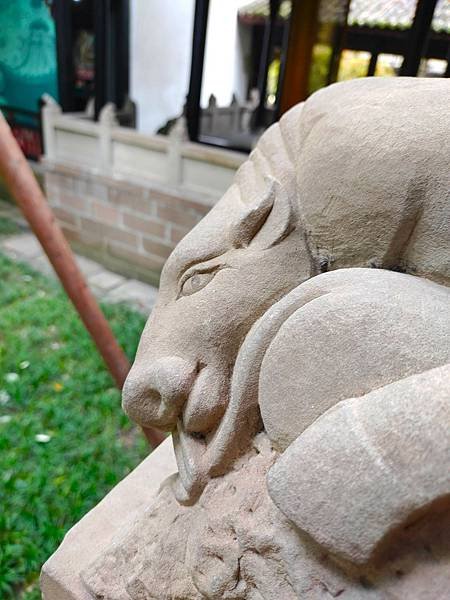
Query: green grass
{"x": 8, "y": 227}
{"x": 62, "y": 390}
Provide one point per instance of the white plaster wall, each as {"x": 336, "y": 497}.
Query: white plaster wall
{"x": 223, "y": 71}
{"x": 160, "y": 62}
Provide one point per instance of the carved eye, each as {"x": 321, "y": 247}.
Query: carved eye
{"x": 196, "y": 282}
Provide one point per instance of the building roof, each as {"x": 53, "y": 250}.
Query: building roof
{"x": 392, "y": 14}
{"x": 257, "y": 11}
{"x": 395, "y": 14}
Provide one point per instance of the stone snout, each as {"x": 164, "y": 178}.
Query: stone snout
{"x": 171, "y": 393}
{"x": 174, "y": 394}
{"x": 154, "y": 394}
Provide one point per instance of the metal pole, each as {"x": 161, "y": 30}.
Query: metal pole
{"x": 23, "y": 186}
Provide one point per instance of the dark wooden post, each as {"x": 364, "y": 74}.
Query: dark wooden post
{"x": 122, "y": 51}
{"x": 372, "y": 64}
{"x": 417, "y": 37}
{"x": 282, "y": 73}
{"x": 302, "y": 36}
{"x": 102, "y": 28}
{"x": 339, "y": 39}
{"x": 264, "y": 64}
{"x": 447, "y": 70}
{"x": 62, "y": 13}
{"x": 111, "y": 23}
{"x": 197, "y": 60}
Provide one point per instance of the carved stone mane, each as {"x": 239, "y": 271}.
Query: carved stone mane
{"x": 366, "y": 165}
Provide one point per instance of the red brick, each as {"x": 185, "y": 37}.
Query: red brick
{"x": 65, "y": 216}
{"x": 74, "y": 203}
{"x": 178, "y": 202}
{"x": 145, "y": 225}
{"x": 106, "y": 214}
{"x": 132, "y": 198}
{"x": 157, "y": 249}
{"x": 178, "y": 216}
{"x": 94, "y": 189}
{"x": 177, "y": 233}
{"x": 51, "y": 179}
{"x": 109, "y": 232}
{"x": 66, "y": 183}
{"x": 134, "y": 258}
{"x": 83, "y": 238}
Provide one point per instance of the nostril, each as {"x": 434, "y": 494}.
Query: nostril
{"x": 155, "y": 394}
{"x": 140, "y": 401}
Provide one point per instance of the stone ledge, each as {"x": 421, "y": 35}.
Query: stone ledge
{"x": 93, "y": 534}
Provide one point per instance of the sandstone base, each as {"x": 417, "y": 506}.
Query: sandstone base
{"x": 93, "y": 534}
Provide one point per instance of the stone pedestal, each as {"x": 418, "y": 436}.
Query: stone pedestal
{"x": 60, "y": 577}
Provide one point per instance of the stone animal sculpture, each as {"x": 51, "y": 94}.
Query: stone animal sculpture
{"x": 299, "y": 352}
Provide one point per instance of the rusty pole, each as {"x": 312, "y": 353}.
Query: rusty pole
{"x": 24, "y": 188}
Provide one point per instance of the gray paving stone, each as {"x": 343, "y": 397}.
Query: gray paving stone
{"x": 107, "y": 285}
{"x": 140, "y": 295}
{"x": 88, "y": 267}
{"x": 43, "y": 265}
{"x": 24, "y": 246}
{"x": 105, "y": 280}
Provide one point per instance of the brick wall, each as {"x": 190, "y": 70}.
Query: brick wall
{"x": 129, "y": 227}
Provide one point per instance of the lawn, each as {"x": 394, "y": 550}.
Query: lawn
{"x": 64, "y": 441}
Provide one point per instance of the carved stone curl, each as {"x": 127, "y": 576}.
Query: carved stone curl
{"x": 300, "y": 354}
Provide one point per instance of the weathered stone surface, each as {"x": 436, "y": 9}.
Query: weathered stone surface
{"x": 377, "y": 192}
{"x": 386, "y": 460}
{"x": 231, "y": 545}
{"x": 354, "y": 330}
{"x": 335, "y": 383}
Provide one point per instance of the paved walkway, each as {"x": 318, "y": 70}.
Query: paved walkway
{"x": 106, "y": 285}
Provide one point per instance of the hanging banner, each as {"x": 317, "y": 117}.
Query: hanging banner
{"x": 27, "y": 67}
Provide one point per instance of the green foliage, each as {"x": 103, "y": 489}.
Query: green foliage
{"x": 8, "y": 227}
{"x": 352, "y": 64}
{"x": 53, "y": 385}
{"x": 319, "y": 67}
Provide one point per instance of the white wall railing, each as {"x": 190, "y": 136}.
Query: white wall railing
{"x": 105, "y": 148}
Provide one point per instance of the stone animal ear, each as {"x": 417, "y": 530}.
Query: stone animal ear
{"x": 267, "y": 221}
